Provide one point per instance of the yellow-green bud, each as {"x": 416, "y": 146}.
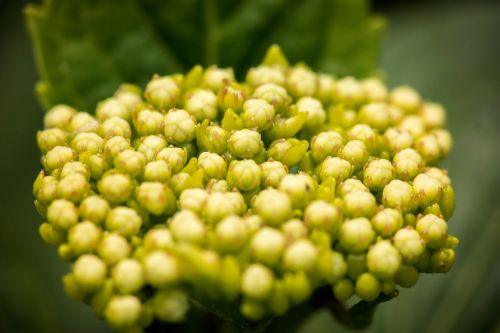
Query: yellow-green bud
{"x": 217, "y": 207}
{"x": 113, "y": 248}
{"x": 398, "y": 140}
{"x": 336, "y": 168}
{"x": 374, "y": 89}
{"x": 84, "y": 237}
{"x": 71, "y": 287}
{"x": 51, "y": 235}
{"x": 114, "y": 146}
{"x": 73, "y": 187}
{"x": 387, "y": 221}
{"x": 383, "y": 260}
{"x": 412, "y": 124}
{"x": 115, "y": 187}
{"x": 433, "y": 230}
{"x": 288, "y": 151}
{"x": 294, "y": 229}
{"x": 193, "y": 199}
{"x": 124, "y": 220}
{"x": 156, "y": 198}
{"x": 89, "y": 272}
{"x": 94, "y": 209}
{"x": 175, "y": 158}
{"x": 115, "y": 127}
{"x": 50, "y": 138}
{"x": 73, "y": 168}
{"x": 272, "y": 173}
{"x": 170, "y": 305}
{"x": 301, "y": 255}
{"x": 407, "y": 276}
{"x": 349, "y": 92}
{"x": 186, "y": 226}
{"x": 215, "y": 78}
{"x": 368, "y": 287}
{"x": 201, "y": 104}
{"x": 274, "y": 94}
{"x": 326, "y": 144}
{"x": 273, "y": 206}
{"x": 45, "y": 188}
{"x": 179, "y": 127}
{"x": 62, "y": 214}
{"x": 230, "y": 233}
{"x": 278, "y": 302}
{"x": 252, "y": 309}
{"x": 257, "y": 282}
{"x": 399, "y": 195}
{"x": 128, "y": 276}
{"x": 150, "y": 146}
{"x": 301, "y": 81}
{"x": 359, "y": 204}
{"x": 244, "y": 175}
{"x": 405, "y": 98}
{"x": 428, "y": 147}
{"x": 245, "y": 143}
{"x": 356, "y": 235}
{"x": 59, "y": 117}
{"x": 316, "y": 115}
{"x": 257, "y": 114}
{"x": 323, "y": 215}
{"x": 355, "y": 152}
{"x": 123, "y": 311}
{"x": 57, "y": 157}
{"x": 83, "y": 122}
{"x": 343, "y": 289}
{"x": 298, "y": 286}
{"x": 148, "y": 122}
{"x": 162, "y": 92}
{"x": 157, "y": 171}
{"x": 299, "y": 187}
{"x": 331, "y": 266}
{"x": 159, "y": 238}
{"x": 326, "y": 88}
{"x": 444, "y": 140}
{"x": 213, "y": 165}
{"x": 442, "y": 260}
{"x": 377, "y": 174}
{"x": 409, "y": 244}
{"x": 267, "y": 246}
{"x": 161, "y": 269}
{"x": 433, "y": 115}
{"x": 260, "y": 75}
{"x": 88, "y": 142}
{"x": 231, "y": 97}
{"x": 112, "y": 107}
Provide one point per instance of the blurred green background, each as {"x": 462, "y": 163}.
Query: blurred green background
{"x": 448, "y": 50}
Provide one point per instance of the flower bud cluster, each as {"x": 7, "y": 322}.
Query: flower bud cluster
{"x": 253, "y": 193}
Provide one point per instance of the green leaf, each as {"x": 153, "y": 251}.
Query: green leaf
{"x": 84, "y": 49}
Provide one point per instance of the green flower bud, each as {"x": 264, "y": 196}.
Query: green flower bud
{"x": 301, "y": 81}
{"x": 162, "y": 92}
{"x": 150, "y": 146}
{"x": 238, "y": 202}
{"x": 179, "y": 127}
{"x": 363, "y": 133}
{"x": 442, "y": 260}
{"x": 96, "y": 164}
{"x": 343, "y": 289}
{"x": 397, "y": 140}
{"x": 123, "y": 311}
{"x": 316, "y": 115}
{"x": 293, "y": 229}
{"x": 298, "y": 287}
{"x": 156, "y": 198}
{"x": 288, "y": 151}
{"x": 201, "y": 104}
{"x": 428, "y": 147}
{"x": 50, "y": 138}
{"x": 157, "y": 171}
{"x": 257, "y": 282}
{"x": 377, "y": 174}
{"x": 175, "y": 158}
{"x": 257, "y": 114}
{"x": 447, "y": 203}
{"x": 331, "y": 266}
{"x": 356, "y": 265}
{"x": 349, "y": 92}
{"x": 407, "y": 164}
{"x": 326, "y": 88}
{"x": 359, "y": 204}
{"x": 444, "y": 140}
{"x": 230, "y": 277}
{"x": 100, "y": 299}
{"x": 212, "y": 138}
{"x": 161, "y": 269}
{"x": 383, "y": 260}
{"x": 215, "y": 78}
{"x": 433, "y": 230}
{"x": 83, "y": 122}
{"x": 326, "y": 144}
{"x": 170, "y": 305}
{"x": 51, "y": 235}
{"x": 399, "y": 195}
{"x": 405, "y": 98}
{"x": 274, "y": 94}
{"x": 65, "y": 252}
{"x": 213, "y": 165}
{"x": 129, "y": 94}
{"x": 273, "y": 206}
{"x": 57, "y": 157}
{"x": 112, "y": 248}
{"x": 299, "y": 187}
{"x": 62, "y": 214}
{"x": 89, "y": 272}
{"x": 186, "y": 226}
{"x": 429, "y": 190}
{"x": 412, "y": 124}
{"x": 115, "y": 187}
{"x": 231, "y": 97}
{"x": 387, "y": 221}
{"x": 159, "y": 238}
{"x": 321, "y": 238}
{"x": 374, "y": 89}
{"x": 71, "y": 287}
{"x": 355, "y": 152}
{"x": 74, "y": 168}
{"x": 272, "y": 173}
{"x": 433, "y": 115}
{"x": 356, "y": 235}
{"x": 321, "y": 214}
{"x": 336, "y": 168}
{"x": 230, "y": 234}
{"x": 245, "y": 143}
{"x": 193, "y": 199}
{"x": 368, "y": 287}
{"x": 217, "y": 207}
{"x": 409, "y": 244}
{"x": 128, "y": 276}
{"x": 45, "y": 189}
{"x": 84, "y": 237}
{"x": 260, "y": 75}
{"x": 267, "y": 246}
{"x": 59, "y": 117}
{"x": 73, "y": 187}
{"x": 147, "y": 122}
{"x": 252, "y": 309}
{"x": 112, "y": 107}
{"x": 244, "y": 175}
{"x": 424, "y": 261}
{"x": 123, "y": 220}
{"x": 115, "y": 127}
{"x": 301, "y": 255}
{"x": 114, "y": 146}
{"x": 278, "y": 302}
{"x": 407, "y": 276}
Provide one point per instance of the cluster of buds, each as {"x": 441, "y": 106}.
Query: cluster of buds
{"x": 250, "y": 193}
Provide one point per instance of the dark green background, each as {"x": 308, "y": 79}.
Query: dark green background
{"x": 449, "y": 51}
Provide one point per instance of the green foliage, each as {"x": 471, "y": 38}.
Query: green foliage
{"x": 84, "y": 49}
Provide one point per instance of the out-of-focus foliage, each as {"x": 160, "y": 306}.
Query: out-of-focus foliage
{"x": 85, "y": 49}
